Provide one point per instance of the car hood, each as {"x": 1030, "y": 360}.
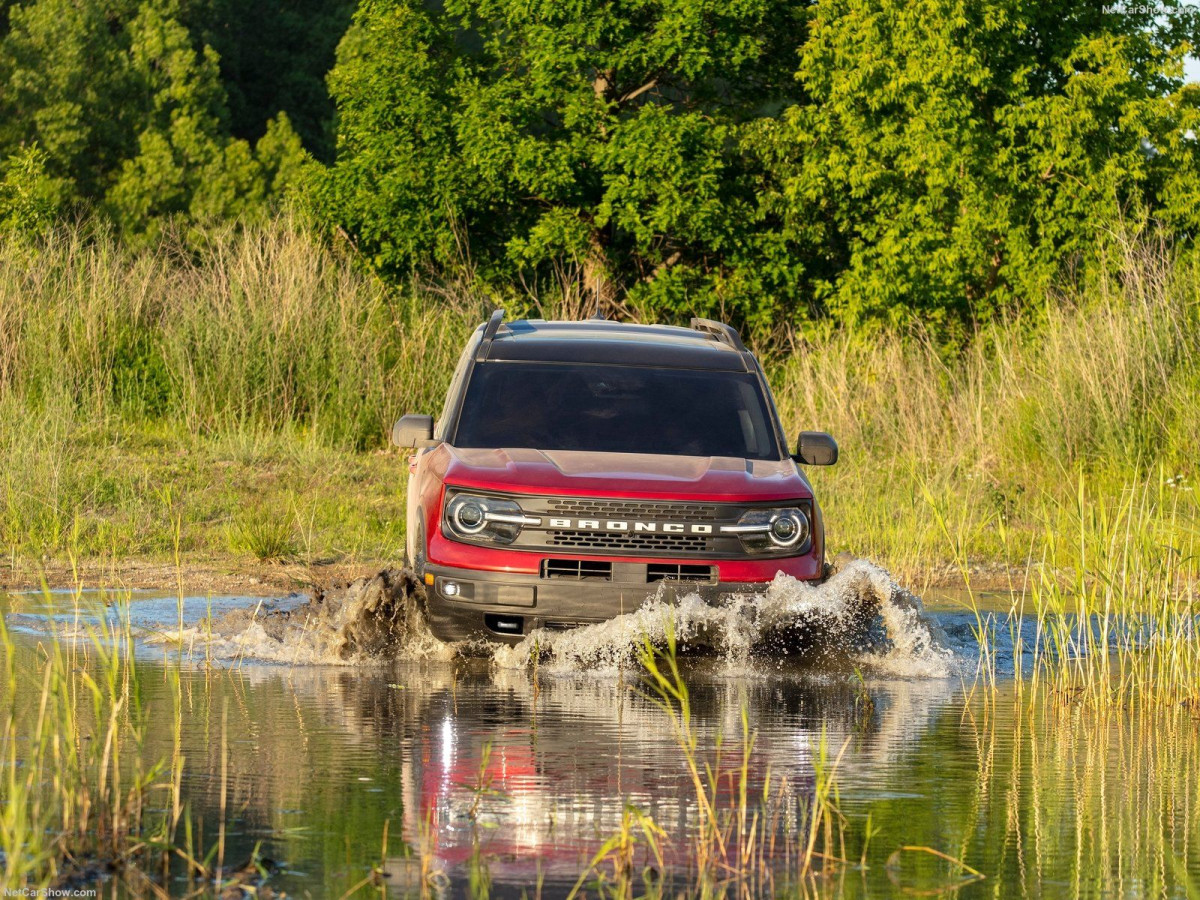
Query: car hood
{"x": 584, "y": 473}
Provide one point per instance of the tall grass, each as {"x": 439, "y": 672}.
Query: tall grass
{"x": 265, "y": 336}
{"x": 1102, "y": 380}
{"x": 263, "y": 326}
{"x": 1124, "y": 626}
{"x": 77, "y": 793}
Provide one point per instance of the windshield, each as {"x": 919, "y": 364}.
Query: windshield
{"x": 616, "y": 409}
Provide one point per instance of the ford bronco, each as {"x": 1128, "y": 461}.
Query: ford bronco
{"x": 578, "y": 468}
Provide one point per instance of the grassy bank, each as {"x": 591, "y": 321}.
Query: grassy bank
{"x": 233, "y": 401}
{"x": 224, "y": 402}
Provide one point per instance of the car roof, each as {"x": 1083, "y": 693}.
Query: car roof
{"x": 597, "y": 341}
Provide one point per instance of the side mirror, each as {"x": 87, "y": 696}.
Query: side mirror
{"x": 413, "y": 431}
{"x": 816, "y": 448}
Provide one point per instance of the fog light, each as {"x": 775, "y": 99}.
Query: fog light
{"x": 505, "y": 624}
{"x": 450, "y": 589}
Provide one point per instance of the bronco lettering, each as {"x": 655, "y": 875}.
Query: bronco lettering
{"x": 629, "y": 525}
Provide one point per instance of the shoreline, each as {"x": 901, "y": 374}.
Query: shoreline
{"x": 198, "y": 577}
{"x": 231, "y": 575}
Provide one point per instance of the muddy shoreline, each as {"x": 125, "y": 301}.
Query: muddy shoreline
{"x": 225, "y": 576}
{"x": 252, "y": 578}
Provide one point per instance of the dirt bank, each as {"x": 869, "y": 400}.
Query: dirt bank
{"x": 249, "y": 577}
{"x": 198, "y": 577}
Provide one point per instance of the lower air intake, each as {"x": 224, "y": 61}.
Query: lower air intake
{"x": 577, "y": 569}
{"x": 680, "y": 572}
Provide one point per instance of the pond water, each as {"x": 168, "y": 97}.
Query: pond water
{"x": 473, "y": 775}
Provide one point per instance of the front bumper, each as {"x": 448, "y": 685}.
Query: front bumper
{"x": 505, "y": 606}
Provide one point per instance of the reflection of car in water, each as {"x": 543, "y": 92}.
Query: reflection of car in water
{"x": 347, "y": 750}
{"x": 540, "y": 798}
{"x": 578, "y": 467}
{"x": 538, "y": 794}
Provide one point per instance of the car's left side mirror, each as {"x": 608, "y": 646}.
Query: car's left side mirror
{"x": 413, "y": 431}
{"x": 816, "y": 448}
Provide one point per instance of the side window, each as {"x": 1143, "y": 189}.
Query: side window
{"x": 456, "y": 387}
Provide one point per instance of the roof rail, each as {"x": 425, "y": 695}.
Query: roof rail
{"x": 489, "y": 332}
{"x": 726, "y": 334}
{"x": 493, "y": 324}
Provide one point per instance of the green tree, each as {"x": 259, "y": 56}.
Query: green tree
{"x": 30, "y": 199}
{"x": 186, "y": 164}
{"x": 600, "y": 137}
{"x": 131, "y": 114}
{"x": 867, "y": 159}
{"x": 274, "y": 57}
{"x": 954, "y": 154}
{"x": 65, "y": 85}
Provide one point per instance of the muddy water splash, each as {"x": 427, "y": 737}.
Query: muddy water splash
{"x": 858, "y": 616}
{"x": 372, "y": 619}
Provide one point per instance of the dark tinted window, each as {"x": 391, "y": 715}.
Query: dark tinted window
{"x": 618, "y": 409}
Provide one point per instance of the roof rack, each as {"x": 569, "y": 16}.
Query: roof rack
{"x": 726, "y": 334}
{"x": 489, "y": 332}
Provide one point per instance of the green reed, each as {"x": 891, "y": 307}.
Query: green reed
{"x": 77, "y": 789}
{"x": 1122, "y": 623}
{"x": 81, "y": 796}
{"x": 763, "y": 841}
{"x": 1123, "y": 780}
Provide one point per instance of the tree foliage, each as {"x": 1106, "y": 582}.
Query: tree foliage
{"x": 763, "y": 160}
{"x": 274, "y": 57}
{"x": 601, "y": 137}
{"x": 872, "y": 159}
{"x": 954, "y": 154}
{"x": 29, "y": 199}
{"x": 130, "y": 109}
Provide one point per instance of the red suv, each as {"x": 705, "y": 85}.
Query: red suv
{"x": 581, "y": 467}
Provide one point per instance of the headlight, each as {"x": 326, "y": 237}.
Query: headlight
{"x": 480, "y": 519}
{"x": 772, "y": 530}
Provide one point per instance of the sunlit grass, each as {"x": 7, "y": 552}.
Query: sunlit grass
{"x": 77, "y": 792}
{"x": 1103, "y": 379}
{"x": 265, "y": 534}
{"x": 1124, "y": 626}
{"x": 227, "y": 373}
{"x": 103, "y": 491}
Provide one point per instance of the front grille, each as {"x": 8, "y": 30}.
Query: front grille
{"x": 604, "y": 526}
{"x": 577, "y": 569}
{"x": 679, "y": 572}
{"x": 632, "y": 509}
{"x": 597, "y": 540}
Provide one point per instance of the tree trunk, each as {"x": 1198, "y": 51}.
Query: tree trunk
{"x": 597, "y": 278}
{"x": 597, "y": 272}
